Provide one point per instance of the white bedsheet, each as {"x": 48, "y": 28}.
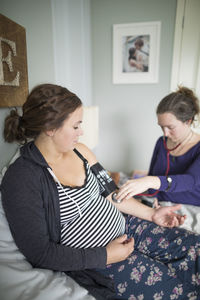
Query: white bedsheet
{"x": 20, "y": 281}
{"x": 192, "y": 212}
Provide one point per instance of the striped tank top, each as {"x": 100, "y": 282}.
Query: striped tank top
{"x": 87, "y": 218}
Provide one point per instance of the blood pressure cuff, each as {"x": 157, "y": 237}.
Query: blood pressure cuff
{"x": 106, "y": 183}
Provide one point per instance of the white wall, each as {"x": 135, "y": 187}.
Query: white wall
{"x": 72, "y": 46}
{"x": 186, "y": 56}
{"x": 128, "y": 125}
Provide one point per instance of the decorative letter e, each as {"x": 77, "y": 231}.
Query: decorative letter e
{"x": 8, "y": 60}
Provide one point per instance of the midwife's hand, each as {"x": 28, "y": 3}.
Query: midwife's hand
{"x": 119, "y": 249}
{"x": 136, "y": 186}
{"x": 166, "y": 216}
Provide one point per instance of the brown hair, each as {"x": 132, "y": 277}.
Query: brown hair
{"x": 183, "y": 104}
{"x": 139, "y": 42}
{"x": 46, "y": 108}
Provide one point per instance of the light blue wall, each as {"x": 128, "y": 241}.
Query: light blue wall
{"x": 128, "y": 128}
{"x": 58, "y": 47}
{"x": 36, "y": 17}
{"x": 127, "y": 124}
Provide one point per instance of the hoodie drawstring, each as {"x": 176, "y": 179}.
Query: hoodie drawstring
{"x": 60, "y": 185}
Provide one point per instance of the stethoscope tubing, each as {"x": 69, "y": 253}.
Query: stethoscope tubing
{"x": 168, "y": 166}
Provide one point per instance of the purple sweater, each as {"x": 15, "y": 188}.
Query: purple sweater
{"x": 184, "y": 171}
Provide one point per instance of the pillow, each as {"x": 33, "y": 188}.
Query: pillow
{"x": 15, "y": 156}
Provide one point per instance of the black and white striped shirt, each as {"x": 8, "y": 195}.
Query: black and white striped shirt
{"x": 87, "y": 218}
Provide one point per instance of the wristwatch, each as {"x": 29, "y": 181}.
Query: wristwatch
{"x": 169, "y": 181}
{"x": 114, "y": 198}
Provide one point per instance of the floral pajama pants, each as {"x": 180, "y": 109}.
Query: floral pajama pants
{"x": 165, "y": 264}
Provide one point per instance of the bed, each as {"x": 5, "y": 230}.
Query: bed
{"x": 19, "y": 280}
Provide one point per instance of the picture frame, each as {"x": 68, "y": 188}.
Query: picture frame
{"x": 136, "y": 48}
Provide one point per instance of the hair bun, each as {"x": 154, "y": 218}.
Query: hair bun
{"x": 185, "y": 91}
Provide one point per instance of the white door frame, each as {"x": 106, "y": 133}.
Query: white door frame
{"x": 186, "y": 54}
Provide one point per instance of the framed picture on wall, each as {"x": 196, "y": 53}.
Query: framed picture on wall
{"x": 13, "y": 63}
{"x": 136, "y": 48}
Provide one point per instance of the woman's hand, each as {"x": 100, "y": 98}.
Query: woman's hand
{"x": 166, "y": 216}
{"x": 119, "y": 249}
{"x": 137, "y": 186}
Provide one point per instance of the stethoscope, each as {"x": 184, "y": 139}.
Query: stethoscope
{"x": 168, "y": 165}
